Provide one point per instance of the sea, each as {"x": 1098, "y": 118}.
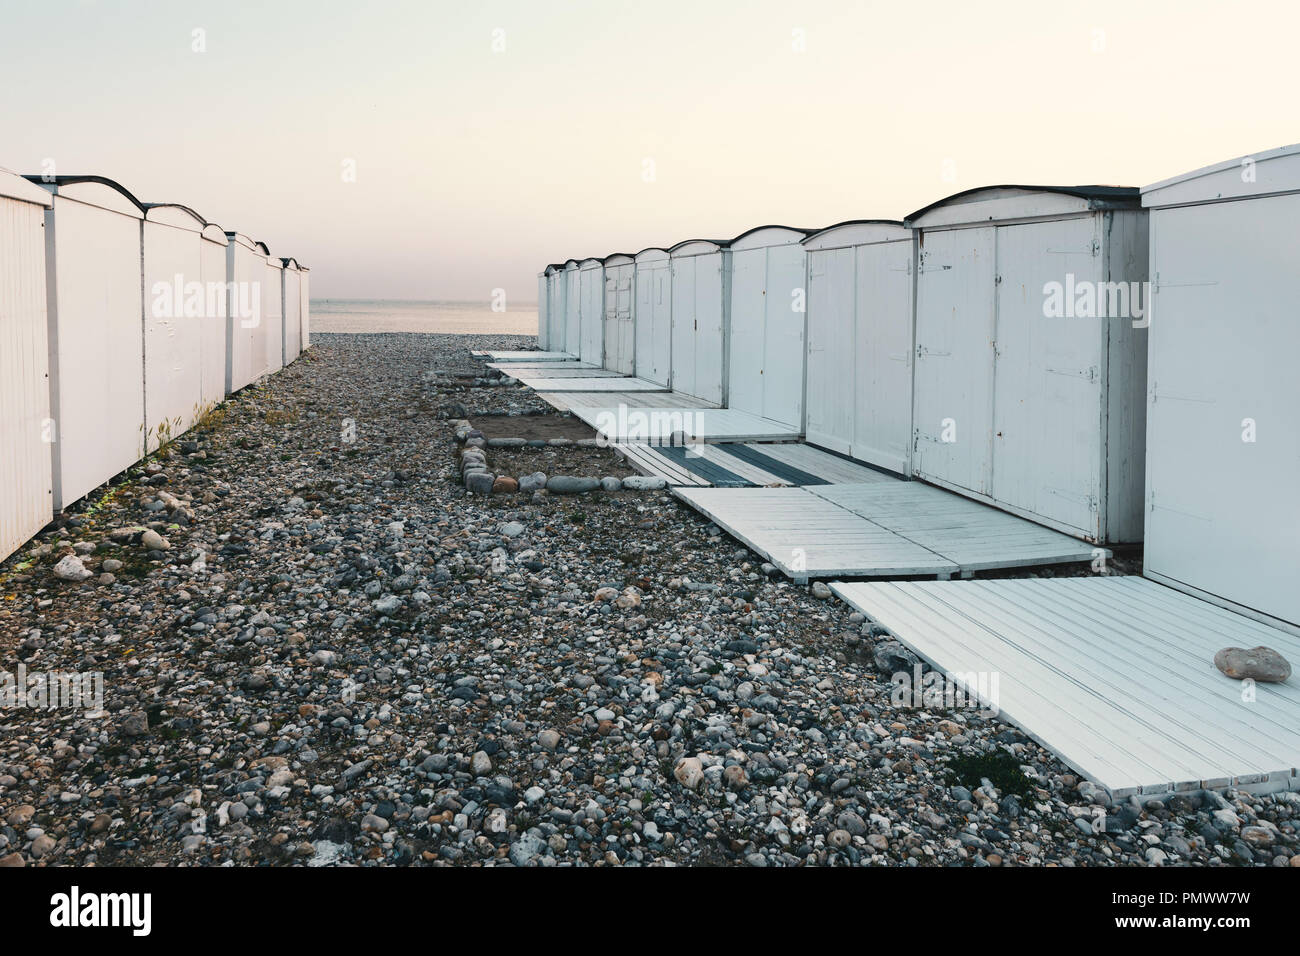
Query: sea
{"x": 396, "y": 315}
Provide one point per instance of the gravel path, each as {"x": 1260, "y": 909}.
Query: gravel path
{"x": 316, "y": 649}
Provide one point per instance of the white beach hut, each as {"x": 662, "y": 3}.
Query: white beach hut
{"x": 95, "y": 312}
{"x": 701, "y": 283}
{"x": 26, "y": 493}
{"x": 554, "y": 290}
{"x": 859, "y": 378}
{"x": 652, "y": 316}
{"x": 245, "y": 275}
{"x": 273, "y": 313}
{"x": 620, "y": 306}
{"x": 555, "y": 307}
{"x": 304, "y": 305}
{"x": 1223, "y": 442}
{"x": 212, "y": 331}
{"x": 292, "y": 309}
{"x": 1030, "y": 377}
{"x": 543, "y": 323}
{"x": 765, "y": 351}
{"x": 591, "y": 338}
{"x": 572, "y": 307}
{"x": 178, "y": 307}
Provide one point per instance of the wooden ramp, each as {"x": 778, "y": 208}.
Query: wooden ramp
{"x": 657, "y": 425}
{"x": 763, "y": 465}
{"x": 566, "y": 401}
{"x": 806, "y": 536}
{"x": 542, "y": 382}
{"x": 976, "y": 536}
{"x": 869, "y": 524}
{"x": 1113, "y": 674}
{"x": 514, "y": 367}
{"x": 523, "y": 355}
{"x": 565, "y": 370}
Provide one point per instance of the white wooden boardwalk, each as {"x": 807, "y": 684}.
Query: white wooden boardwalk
{"x": 761, "y": 464}
{"x": 523, "y": 355}
{"x": 881, "y": 528}
{"x": 567, "y": 401}
{"x": 976, "y": 536}
{"x": 565, "y": 370}
{"x": 540, "y": 381}
{"x": 514, "y": 367}
{"x": 657, "y": 425}
{"x": 806, "y": 536}
{"x": 1113, "y": 674}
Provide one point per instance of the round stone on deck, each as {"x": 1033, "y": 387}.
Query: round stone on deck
{"x": 1257, "y": 663}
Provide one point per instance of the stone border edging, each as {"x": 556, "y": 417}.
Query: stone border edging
{"x": 478, "y": 480}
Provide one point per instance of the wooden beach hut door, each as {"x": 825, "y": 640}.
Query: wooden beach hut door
{"x": 619, "y": 332}
{"x": 592, "y": 327}
{"x": 555, "y": 311}
{"x": 683, "y": 325}
{"x": 1223, "y": 444}
{"x": 573, "y": 311}
{"x": 831, "y": 360}
{"x": 954, "y": 358}
{"x": 1048, "y": 376}
{"x": 765, "y": 364}
{"x": 653, "y": 321}
{"x": 881, "y": 413}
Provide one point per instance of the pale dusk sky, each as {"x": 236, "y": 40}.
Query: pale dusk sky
{"x": 491, "y": 138}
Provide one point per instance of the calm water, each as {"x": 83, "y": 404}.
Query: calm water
{"x": 387, "y": 315}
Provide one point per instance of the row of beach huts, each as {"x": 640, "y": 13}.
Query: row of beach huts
{"x": 122, "y": 323}
{"x": 1118, "y": 364}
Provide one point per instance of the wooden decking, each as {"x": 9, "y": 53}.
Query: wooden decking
{"x": 565, "y": 370}
{"x": 656, "y": 426}
{"x": 1114, "y": 674}
{"x": 976, "y": 536}
{"x": 571, "y": 401}
{"x": 881, "y": 528}
{"x": 542, "y": 382}
{"x": 740, "y": 464}
{"x": 806, "y": 536}
{"x": 516, "y": 367}
{"x": 523, "y": 355}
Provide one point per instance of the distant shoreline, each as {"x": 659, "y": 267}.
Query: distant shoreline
{"x": 362, "y": 316}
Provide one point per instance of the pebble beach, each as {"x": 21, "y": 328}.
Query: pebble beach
{"x": 317, "y": 648}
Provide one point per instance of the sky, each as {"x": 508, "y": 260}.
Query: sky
{"x": 441, "y": 150}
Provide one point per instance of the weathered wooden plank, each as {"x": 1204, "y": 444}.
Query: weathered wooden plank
{"x": 658, "y": 425}
{"x": 588, "y": 384}
{"x": 524, "y": 355}
{"x": 808, "y": 537}
{"x": 975, "y": 536}
{"x": 1114, "y": 674}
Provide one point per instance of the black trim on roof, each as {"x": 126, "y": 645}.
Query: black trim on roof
{"x": 625, "y": 255}
{"x": 723, "y": 243}
{"x": 650, "y": 249}
{"x": 773, "y": 225}
{"x": 1117, "y": 194}
{"x": 855, "y": 222}
{"x": 176, "y": 205}
{"x": 102, "y": 180}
